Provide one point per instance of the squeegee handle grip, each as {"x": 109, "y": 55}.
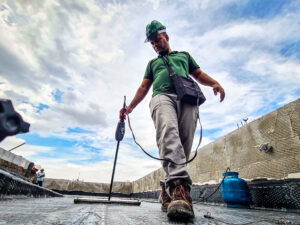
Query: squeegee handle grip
{"x": 120, "y": 131}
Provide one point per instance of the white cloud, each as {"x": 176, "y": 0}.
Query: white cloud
{"x": 27, "y": 151}
{"x": 94, "y": 54}
{"x": 282, "y": 70}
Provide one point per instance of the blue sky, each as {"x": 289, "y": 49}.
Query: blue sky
{"x": 66, "y": 65}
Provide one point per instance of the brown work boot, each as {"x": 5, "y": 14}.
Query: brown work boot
{"x": 181, "y": 207}
{"x": 165, "y": 198}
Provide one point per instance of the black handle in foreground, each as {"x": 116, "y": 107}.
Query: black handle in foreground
{"x": 11, "y": 122}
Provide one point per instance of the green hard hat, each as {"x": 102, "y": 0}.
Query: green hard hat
{"x": 153, "y": 27}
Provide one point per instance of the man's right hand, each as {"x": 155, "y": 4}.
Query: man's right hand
{"x": 125, "y": 111}
{"x": 122, "y": 115}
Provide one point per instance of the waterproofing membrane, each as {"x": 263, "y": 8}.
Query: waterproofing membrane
{"x": 63, "y": 211}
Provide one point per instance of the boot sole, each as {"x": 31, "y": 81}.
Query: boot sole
{"x": 164, "y": 208}
{"x": 180, "y": 210}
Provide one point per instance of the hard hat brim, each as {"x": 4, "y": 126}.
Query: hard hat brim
{"x": 157, "y": 32}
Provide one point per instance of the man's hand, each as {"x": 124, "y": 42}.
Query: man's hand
{"x": 218, "y": 88}
{"x": 122, "y": 115}
{"x": 205, "y": 79}
{"x": 125, "y": 111}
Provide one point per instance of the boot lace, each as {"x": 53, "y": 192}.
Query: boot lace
{"x": 180, "y": 193}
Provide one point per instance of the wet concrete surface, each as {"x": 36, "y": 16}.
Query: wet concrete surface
{"x": 64, "y": 211}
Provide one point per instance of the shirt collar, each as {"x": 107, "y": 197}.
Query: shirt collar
{"x": 171, "y": 53}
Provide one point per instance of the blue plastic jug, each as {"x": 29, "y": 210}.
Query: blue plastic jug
{"x": 235, "y": 191}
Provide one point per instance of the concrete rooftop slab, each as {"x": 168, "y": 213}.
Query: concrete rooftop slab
{"x": 64, "y": 211}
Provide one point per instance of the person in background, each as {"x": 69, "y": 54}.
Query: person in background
{"x": 40, "y": 177}
{"x": 33, "y": 176}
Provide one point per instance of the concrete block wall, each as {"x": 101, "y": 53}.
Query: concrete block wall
{"x": 68, "y": 185}
{"x": 240, "y": 150}
{"x": 13, "y": 162}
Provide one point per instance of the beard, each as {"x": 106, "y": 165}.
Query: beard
{"x": 163, "y": 52}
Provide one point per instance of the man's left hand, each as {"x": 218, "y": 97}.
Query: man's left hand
{"x": 218, "y": 88}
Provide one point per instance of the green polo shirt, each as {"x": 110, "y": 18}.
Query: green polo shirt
{"x": 181, "y": 62}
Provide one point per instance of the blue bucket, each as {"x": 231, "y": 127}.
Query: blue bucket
{"x": 235, "y": 191}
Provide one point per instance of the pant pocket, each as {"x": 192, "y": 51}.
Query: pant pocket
{"x": 154, "y": 104}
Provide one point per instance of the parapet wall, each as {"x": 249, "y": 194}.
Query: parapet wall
{"x": 68, "y": 185}
{"x": 240, "y": 150}
{"x": 14, "y": 163}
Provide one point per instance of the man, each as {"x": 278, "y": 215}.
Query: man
{"x": 33, "y": 176}
{"x": 40, "y": 177}
{"x": 175, "y": 121}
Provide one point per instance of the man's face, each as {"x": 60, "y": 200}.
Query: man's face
{"x": 160, "y": 43}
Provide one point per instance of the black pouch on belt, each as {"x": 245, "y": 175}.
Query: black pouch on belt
{"x": 186, "y": 88}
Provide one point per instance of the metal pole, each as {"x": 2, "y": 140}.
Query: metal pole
{"x": 120, "y": 131}
{"x": 113, "y": 172}
{"x": 16, "y": 147}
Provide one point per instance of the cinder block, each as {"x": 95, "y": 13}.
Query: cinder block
{"x": 23, "y": 163}
{"x": 5, "y": 164}
{"x": 26, "y": 164}
{"x": 7, "y": 156}
{"x": 17, "y": 160}
{"x": 2, "y": 151}
{"x": 2, "y": 162}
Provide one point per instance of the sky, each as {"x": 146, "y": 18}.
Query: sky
{"x": 67, "y": 65}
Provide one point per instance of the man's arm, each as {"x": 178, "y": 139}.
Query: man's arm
{"x": 206, "y": 80}
{"x": 139, "y": 95}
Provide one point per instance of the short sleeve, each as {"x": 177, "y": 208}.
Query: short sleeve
{"x": 148, "y": 72}
{"x": 192, "y": 63}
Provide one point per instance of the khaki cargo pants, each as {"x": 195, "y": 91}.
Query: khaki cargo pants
{"x": 175, "y": 125}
